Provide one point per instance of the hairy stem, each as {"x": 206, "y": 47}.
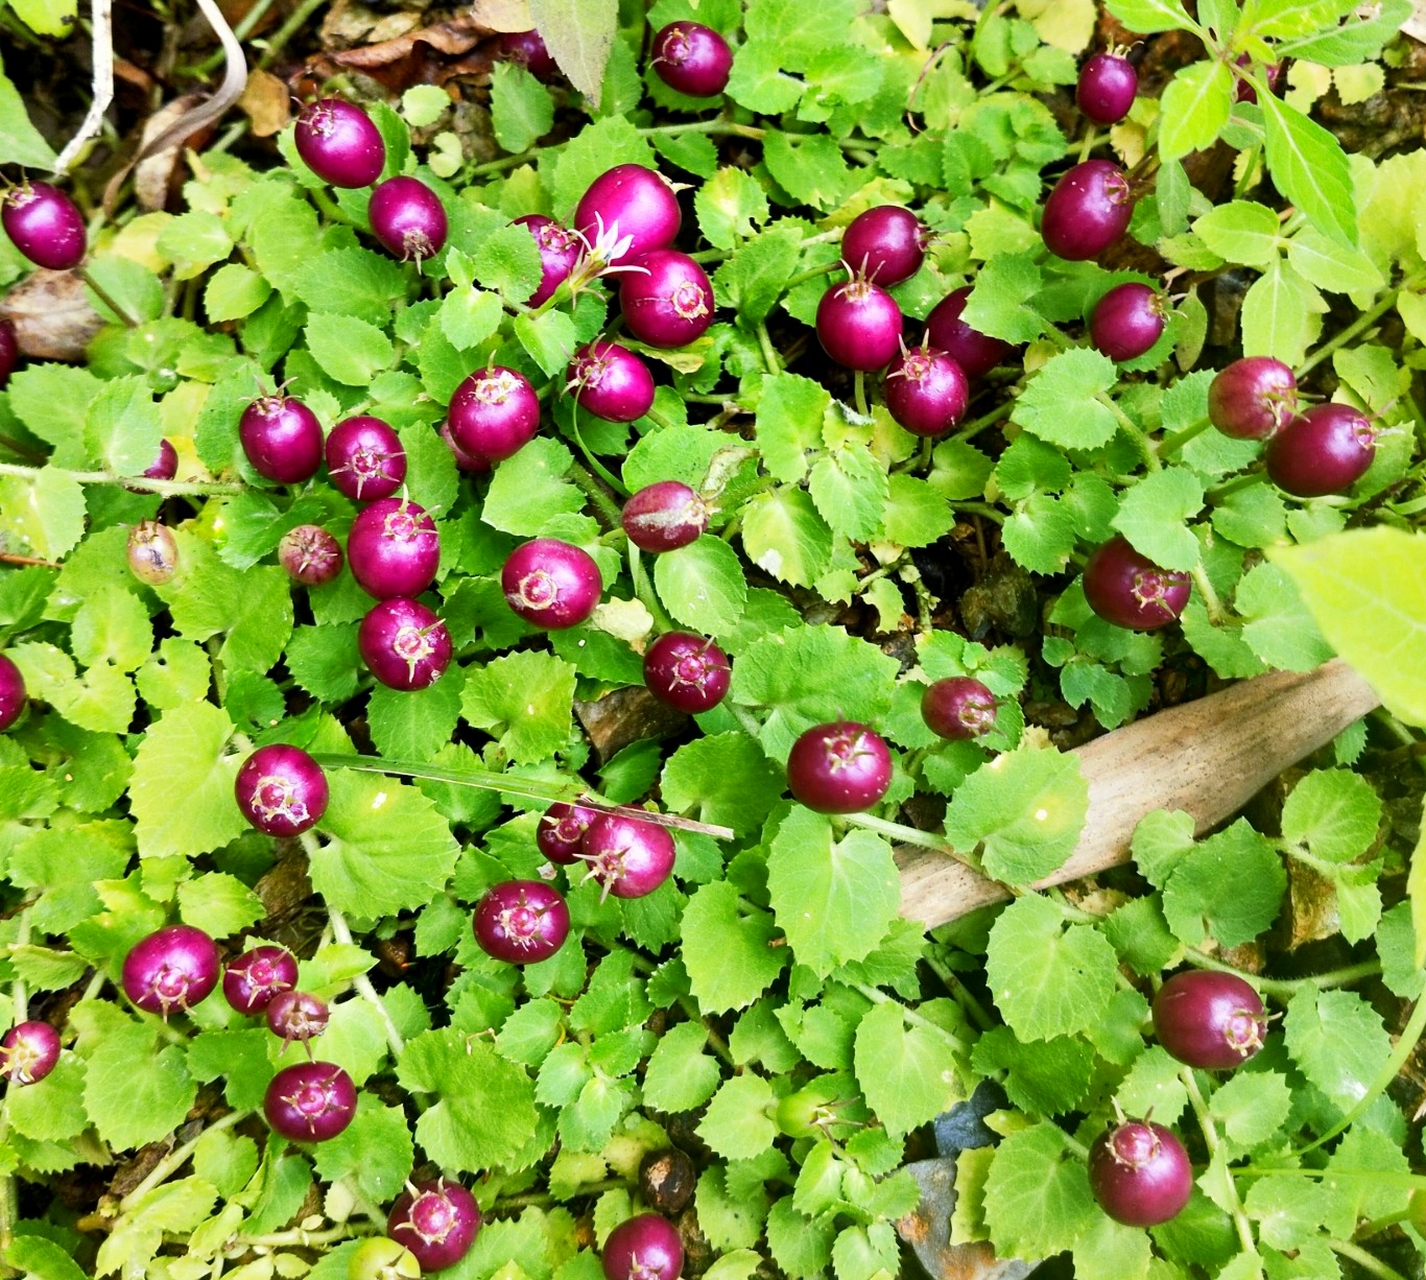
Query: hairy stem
{"x": 1210, "y": 1139}
{"x": 168, "y": 488}
{"x": 176, "y": 1159}
{"x": 361, "y": 982}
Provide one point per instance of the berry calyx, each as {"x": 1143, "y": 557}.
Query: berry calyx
{"x": 393, "y": 549}
{"x": 551, "y": 584}
{"x": 560, "y": 249}
{"x": 926, "y": 391}
{"x": 560, "y": 834}
{"x": 521, "y": 921}
{"x": 692, "y": 59}
{"x": 404, "y": 644}
{"x": 841, "y": 767}
{"x": 687, "y": 672}
{"x": 28, "y": 1052}
{"x": 339, "y": 143}
{"x": 310, "y": 1102}
{"x": 627, "y": 857}
{"x": 1139, "y": 1173}
{"x": 255, "y": 978}
{"x": 611, "y": 382}
{"x": 365, "y": 460}
{"x": 859, "y": 325}
{"x": 295, "y": 1015}
{"x": 669, "y": 301}
{"x": 171, "y": 970}
{"x": 437, "y": 1221}
{"x": 281, "y": 790}
{"x": 493, "y": 414}
{"x": 1130, "y": 590}
{"x": 1209, "y": 1020}
{"x": 664, "y": 516}
{"x": 959, "y": 708}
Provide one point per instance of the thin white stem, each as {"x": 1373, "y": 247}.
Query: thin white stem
{"x": 102, "y": 11}
{"x": 235, "y": 79}
{"x": 362, "y": 983}
{"x": 175, "y": 1159}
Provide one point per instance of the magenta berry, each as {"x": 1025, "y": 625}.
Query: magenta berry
{"x": 886, "y": 244}
{"x": 255, "y": 978}
{"x": 521, "y": 921}
{"x": 393, "y": 549}
{"x": 611, "y": 382}
{"x": 494, "y": 414}
{"x": 687, "y": 672}
{"x": 28, "y": 1052}
{"x": 468, "y": 462}
{"x": 152, "y": 553}
{"x": 529, "y": 50}
{"x": 668, "y": 303}
{"x": 664, "y": 516}
{"x": 1325, "y": 450}
{"x": 295, "y": 1015}
{"x": 310, "y": 555}
{"x": 1127, "y": 321}
{"x": 171, "y": 970}
{"x": 1253, "y": 398}
{"x": 10, "y": 353}
{"x": 339, "y": 143}
{"x": 281, "y": 790}
{"x": 1107, "y": 87}
{"x": 44, "y": 224}
{"x": 1130, "y": 590}
{"x": 282, "y": 438}
{"x": 959, "y": 708}
{"x": 438, "y": 1221}
{"x": 859, "y": 325}
{"x": 1088, "y": 210}
{"x": 365, "y": 460}
{"x": 646, "y": 1247}
{"x": 1140, "y": 1173}
{"x": 976, "y": 353}
{"x": 560, "y": 834}
{"x": 692, "y": 59}
{"x": 560, "y": 249}
{"x": 842, "y": 767}
{"x": 310, "y": 1102}
{"x": 12, "y": 693}
{"x": 627, "y": 856}
{"x": 1210, "y": 1020}
{"x": 926, "y": 391}
{"x": 165, "y": 466}
{"x": 551, "y": 584}
{"x": 404, "y": 644}
{"x": 629, "y": 200}
{"x": 408, "y": 218}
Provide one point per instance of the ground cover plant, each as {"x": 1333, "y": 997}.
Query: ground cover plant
{"x": 520, "y": 550}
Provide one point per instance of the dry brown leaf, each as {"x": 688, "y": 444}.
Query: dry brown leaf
{"x": 267, "y": 103}
{"x": 153, "y": 174}
{"x": 52, "y": 316}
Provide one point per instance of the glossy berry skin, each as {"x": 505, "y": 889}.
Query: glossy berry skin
{"x": 842, "y": 767}
{"x": 171, "y": 970}
{"x": 404, "y": 644}
{"x": 9, "y": 353}
{"x": 959, "y": 708}
{"x": 29, "y": 1052}
{"x": 281, "y": 790}
{"x": 408, "y": 218}
{"x": 1088, "y": 210}
{"x": 467, "y": 462}
{"x": 1209, "y": 1020}
{"x": 393, "y": 549}
{"x": 670, "y": 302}
{"x": 627, "y": 857}
{"x": 282, "y": 439}
{"x": 1325, "y": 450}
{"x": 1130, "y": 590}
{"x": 926, "y": 391}
{"x": 365, "y": 460}
{"x": 687, "y": 672}
{"x": 339, "y": 143}
{"x": 859, "y": 325}
{"x": 664, "y": 516}
{"x": 12, "y": 693}
{"x": 1139, "y": 1173}
{"x": 310, "y": 1102}
{"x": 1127, "y": 321}
{"x": 886, "y": 244}
{"x": 629, "y": 200}
{"x": 257, "y": 977}
{"x": 295, "y": 1015}
{"x": 611, "y": 382}
{"x": 165, "y": 466}
{"x": 494, "y": 413}
{"x": 560, "y": 834}
{"x": 152, "y": 553}
{"x": 551, "y": 584}
{"x": 976, "y": 353}
{"x": 1252, "y": 398}
{"x": 1107, "y": 87}
{"x": 521, "y": 921}
{"x": 647, "y": 1247}
{"x": 310, "y": 555}
{"x": 438, "y": 1221}
{"x": 559, "y": 250}
{"x": 529, "y": 50}
{"x": 45, "y": 225}
{"x": 692, "y": 59}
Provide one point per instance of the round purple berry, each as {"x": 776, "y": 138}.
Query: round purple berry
{"x": 669, "y": 302}
{"x": 408, "y": 218}
{"x": 295, "y": 1015}
{"x": 1252, "y": 398}
{"x": 281, "y": 790}
{"x": 646, "y": 1247}
{"x": 1127, "y": 321}
{"x": 365, "y": 460}
{"x": 976, "y": 353}
{"x": 28, "y": 1052}
{"x": 44, "y": 225}
{"x": 310, "y": 1102}
{"x": 339, "y": 143}
{"x": 310, "y": 555}
{"x": 560, "y": 249}
{"x": 1088, "y": 210}
{"x": 282, "y": 438}
{"x": 404, "y": 644}
{"x": 551, "y": 584}
{"x": 1140, "y": 1173}
{"x": 1130, "y": 590}
{"x": 12, "y": 693}
{"x": 529, "y": 50}
{"x": 627, "y": 856}
{"x": 959, "y": 708}
{"x": 611, "y": 382}
{"x": 664, "y": 516}
{"x": 255, "y": 978}
{"x": 686, "y": 672}
{"x": 494, "y": 414}
{"x": 1209, "y": 1020}
{"x": 393, "y": 549}
{"x": 842, "y": 767}
{"x": 438, "y": 1221}
{"x": 631, "y": 201}
{"x": 859, "y": 325}
{"x": 10, "y": 353}
{"x": 1325, "y": 450}
{"x": 692, "y": 59}
{"x": 171, "y": 970}
{"x": 886, "y": 244}
{"x": 926, "y": 391}
{"x": 560, "y": 834}
{"x": 1107, "y": 87}
{"x": 521, "y": 921}
{"x": 165, "y": 466}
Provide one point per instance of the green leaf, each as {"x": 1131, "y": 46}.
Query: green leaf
{"x": 1310, "y": 168}
{"x": 219, "y": 904}
{"x": 415, "y": 725}
{"x": 193, "y": 242}
{"x": 1366, "y": 589}
{"x": 469, "y": 316}
{"x": 1229, "y": 888}
{"x": 1046, "y": 1078}
{"x": 35, "y": 1255}
{"x": 521, "y": 108}
{"x": 1338, "y": 1041}
{"x": 112, "y": 627}
{"x": 324, "y": 661}
{"x": 702, "y": 585}
{"x": 1334, "y": 812}
{"x": 809, "y": 166}
{"x": 349, "y": 350}
{"x": 239, "y": 1058}
{"x": 351, "y": 282}
{"x": 680, "y": 1076}
{"x": 783, "y": 534}
{"x": 234, "y": 292}
{"x": 389, "y": 849}
{"x": 834, "y": 900}
{"x": 1037, "y": 1198}
{"x": 579, "y": 39}
{"x": 1194, "y": 108}
{"x": 1331, "y": 265}
{"x": 1149, "y": 16}
{"x": 375, "y": 1150}
{"x": 528, "y": 490}
{"x": 1241, "y": 231}
{"x": 753, "y": 279}
{"x": 485, "y": 1113}
{"x": 723, "y": 778}
{"x": 736, "y": 1123}
{"x": 789, "y": 422}
{"x": 135, "y": 1092}
{"x": 20, "y": 142}
{"x": 999, "y": 303}
{"x": 508, "y": 260}
{"x": 1279, "y": 315}
{"x": 1252, "y": 1106}
{"x": 908, "y": 1074}
{"x": 1047, "y": 977}
{"x": 47, "y": 17}
{"x": 1153, "y": 515}
{"x": 182, "y": 756}
{"x": 1060, "y": 403}
{"x": 730, "y": 206}
{"x": 1279, "y": 628}
{"x": 46, "y": 514}
{"x": 725, "y": 948}
{"x": 527, "y": 698}
{"x": 849, "y": 489}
